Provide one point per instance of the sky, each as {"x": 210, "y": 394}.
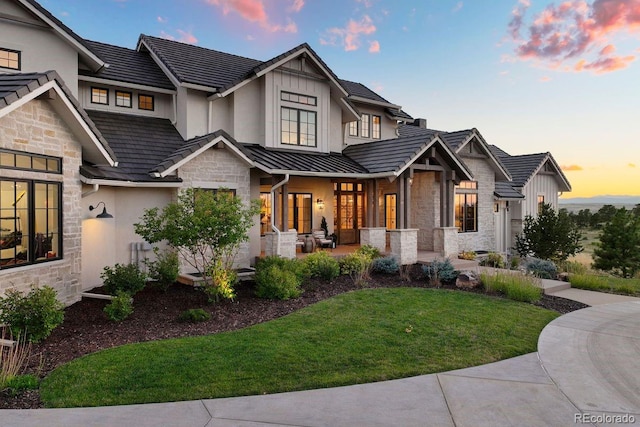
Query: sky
{"x": 532, "y": 76}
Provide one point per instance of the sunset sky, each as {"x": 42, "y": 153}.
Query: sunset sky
{"x": 531, "y": 76}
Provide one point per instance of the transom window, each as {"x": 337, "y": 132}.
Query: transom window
{"x": 123, "y": 99}
{"x": 298, "y": 127}
{"x": 30, "y": 222}
{"x": 145, "y": 102}
{"x": 298, "y": 98}
{"x": 9, "y": 59}
{"x": 10, "y": 159}
{"x": 99, "y": 95}
{"x": 466, "y": 206}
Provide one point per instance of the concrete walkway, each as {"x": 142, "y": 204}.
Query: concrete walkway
{"x": 587, "y": 365}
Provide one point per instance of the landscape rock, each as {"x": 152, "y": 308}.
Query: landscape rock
{"x": 467, "y": 280}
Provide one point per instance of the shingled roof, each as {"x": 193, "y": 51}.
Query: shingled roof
{"x": 141, "y": 143}
{"x": 523, "y": 167}
{"x": 128, "y": 66}
{"x": 505, "y": 190}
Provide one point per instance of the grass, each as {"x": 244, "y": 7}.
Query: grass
{"x": 362, "y": 336}
{"x": 517, "y": 287}
{"x": 609, "y": 284}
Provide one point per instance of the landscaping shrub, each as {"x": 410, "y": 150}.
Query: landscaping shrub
{"x": 194, "y": 315}
{"x": 515, "y": 263}
{"x": 165, "y": 269}
{"x": 35, "y": 314}
{"x": 221, "y": 282}
{"x": 370, "y": 251}
{"x": 438, "y": 272}
{"x": 294, "y": 265}
{"x": 513, "y": 286}
{"x": 123, "y": 277}
{"x": 357, "y": 265}
{"x": 275, "y": 283}
{"x": 494, "y": 260}
{"x": 573, "y": 267}
{"x": 21, "y": 383}
{"x": 468, "y": 255}
{"x": 594, "y": 282}
{"x": 542, "y": 268}
{"x": 120, "y": 307}
{"x": 386, "y": 265}
{"x": 321, "y": 264}
{"x": 12, "y": 359}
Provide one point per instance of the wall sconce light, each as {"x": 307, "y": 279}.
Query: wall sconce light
{"x": 104, "y": 213}
{"x": 411, "y": 181}
{"x": 320, "y": 203}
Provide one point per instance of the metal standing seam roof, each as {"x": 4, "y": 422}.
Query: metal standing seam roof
{"x": 128, "y": 66}
{"x": 16, "y": 86}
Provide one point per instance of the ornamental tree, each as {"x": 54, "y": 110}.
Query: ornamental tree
{"x": 552, "y": 236}
{"x": 619, "y": 247}
{"x": 206, "y": 228}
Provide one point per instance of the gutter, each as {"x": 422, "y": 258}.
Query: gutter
{"x": 95, "y": 189}
{"x": 273, "y": 217}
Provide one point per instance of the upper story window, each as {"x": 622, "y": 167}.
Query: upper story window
{"x": 99, "y": 96}
{"x": 123, "y": 99}
{"x": 298, "y": 127}
{"x": 365, "y": 125}
{"x": 298, "y": 98}
{"x": 353, "y": 128}
{"x": 368, "y": 127}
{"x": 466, "y": 206}
{"x": 145, "y": 102}
{"x": 9, "y": 59}
{"x": 10, "y": 159}
{"x": 375, "y": 127}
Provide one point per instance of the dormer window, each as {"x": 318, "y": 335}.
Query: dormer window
{"x": 9, "y": 59}
{"x": 368, "y": 127}
{"x": 145, "y": 102}
{"x": 99, "y": 96}
{"x": 123, "y": 99}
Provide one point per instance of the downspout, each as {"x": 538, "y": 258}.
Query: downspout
{"x": 209, "y": 114}
{"x": 273, "y": 217}
{"x": 95, "y": 189}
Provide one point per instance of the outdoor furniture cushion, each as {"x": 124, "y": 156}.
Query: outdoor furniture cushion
{"x": 321, "y": 240}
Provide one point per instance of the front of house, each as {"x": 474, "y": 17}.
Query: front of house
{"x": 125, "y": 129}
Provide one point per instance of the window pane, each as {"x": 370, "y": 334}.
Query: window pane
{"x": 123, "y": 99}
{"x": 364, "y": 126}
{"x": 23, "y": 161}
{"x": 7, "y": 159}
{"x": 99, "y": 96}
{"x": 390, "y": 211}
{"x": 53, "y": 165}
{"x": 375, "y": 131}
{"x": 145, "y": 102}
{"x": 353, "y": 128}
{"x": 40, "y": 163}
{"x": 9, "y": 59}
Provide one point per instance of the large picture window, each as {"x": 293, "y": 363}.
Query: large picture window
{"x": 298, "y": 127}
{"x": 30, "y": 222}
{"x": 466, "y": 206}
{"x": 300, "y": 212}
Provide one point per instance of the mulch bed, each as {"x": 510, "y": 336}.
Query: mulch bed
{"x": 86, "y": 329}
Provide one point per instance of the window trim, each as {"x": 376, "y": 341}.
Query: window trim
{"x": 123, "y": 92}
{"x": 106, "y": 96}
{"x": 19, "y": 60}
{"x": 465, "y": 189}
{"x": 298, "y": 111}
{"x": 298, "y": 96}
{"x": 153, "y": 102}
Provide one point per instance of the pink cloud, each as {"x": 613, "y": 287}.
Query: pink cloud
{"x": 573, "y": 32}
{"x": 183, "y": 37}
{"x": 571, "y": 168}
{"x": 254, "y": 11}
{"x": 374, "y": 46}
{"x": 545, "y": 79}
{"x": 458, "y": 7}
{"x": 350, "y": 35}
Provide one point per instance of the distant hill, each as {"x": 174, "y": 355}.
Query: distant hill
{"x": 601, "y": 200}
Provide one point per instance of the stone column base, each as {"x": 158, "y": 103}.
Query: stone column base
{"x": 404, "y": 245}
{"x": 445, "y": 241}
{"x": 287, "y": 244}
{"x": 374, "y": 236}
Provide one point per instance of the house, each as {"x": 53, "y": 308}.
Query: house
{"x": 124, "y": 130}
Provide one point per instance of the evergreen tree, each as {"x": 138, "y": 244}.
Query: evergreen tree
{"x": 619, "y": 247}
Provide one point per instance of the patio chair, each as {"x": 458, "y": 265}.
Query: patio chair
{"x": 321, "y": 240}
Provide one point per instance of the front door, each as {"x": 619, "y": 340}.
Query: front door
{"x": 348, "y": 211}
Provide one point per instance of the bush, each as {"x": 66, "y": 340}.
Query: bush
{"x": 120, "y": 307}
{"x": 494, "y": 260}
{"x": 123, "y": 277}
{"x": 21, "y": 383}
{"x": 515, "y": 263}
{"x": 321, "y": 264}
{"x": 513, "y": 286}
{"x": 221, "y": 282}
{"x": 35, "y": 314}
{"x": 468, "y": 255}
{"x": 437, "y": 272}
{"x": 542, "y": 268}
{"x": 165, "y": 269}
{"x": 194, "y": 315}
{"x": 357, "y": 265}
{"x": 274, "y": 283}
{"x": 386, "y": 265}
{"x": 370, "y": 251}
{"x": 294, "y": 265}
{"x": 13, "y": 359}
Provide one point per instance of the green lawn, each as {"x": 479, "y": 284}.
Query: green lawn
{"x": 363, "y": 336}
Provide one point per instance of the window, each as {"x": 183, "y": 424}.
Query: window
{"x": 466, "y": 206}
{"x": 540, "y": 203}
{"x": 365, "y": 125}
{"x": 298, "y": 127}
{"x": 10, "y": 159}
{"x": 123, "y": 99}
{"x": 10, "y": 59}
{"x": 390, "y": 215}
{"x": 299, "y": 99}
{"x": 145, "y": 102}
{"x": 375, "y": 127}
{"x": 99, "y": 96}
{"x": 369, "y": 126}
{"x": 30, "y": 222}
{"x": 300, "y": 212}
{"x": 353, "y": 128}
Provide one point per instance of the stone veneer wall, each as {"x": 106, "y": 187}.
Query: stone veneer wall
{"x": 218, "y": 168}
{"x": 37, "y": 128}
{"x": 425, "y": 208}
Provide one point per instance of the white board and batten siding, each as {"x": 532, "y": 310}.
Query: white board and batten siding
{"x": 541, "y": 184}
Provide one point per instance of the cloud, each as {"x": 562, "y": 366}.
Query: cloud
{"x": 574, "y": 34}
{"x": 374, "y": 46}
{"x": 349, "y": 36}
{"x": 545, "y": 79}
{"x": 571, "y": 168}
{"x": 183, "y": 37}
{"x": 162, "y": 20}
{"x": 632, "y": 165}
{"x": 366, "y": 3}
{"x": 254, "y": 11}
{"x": 457, "y": 7}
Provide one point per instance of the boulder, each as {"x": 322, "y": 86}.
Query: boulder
{"x": 467, "y": 280}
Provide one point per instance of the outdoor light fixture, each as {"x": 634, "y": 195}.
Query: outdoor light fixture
{"x": 104, "y": 213}
{"x": 320, "y": 203}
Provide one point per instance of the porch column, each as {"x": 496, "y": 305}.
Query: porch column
{"x": 451, "y": 192}
{"x": 404, "y": 245}
{"x": 401, "y": 201}
{"x": 376, "y": 208}
{"x": 408, "y": 182}
{"x": 285, "y": 208}
{"x": 445, "y": 241}
{"x": 371, "y": 204}
{"x": 444, "y": 199}
{"x": 374, "y": 236}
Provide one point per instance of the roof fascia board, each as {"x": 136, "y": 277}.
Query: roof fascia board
{"x": 487, "y": 150}
{"x": 63, "y": 97}
{"x": 356, "y": 98}
{"x": 97, "y": 62}
{"x": 211, "y": 143}
{"x": 325, "y": 174}
{"x": 126, "y": 85}
{"x": 559, "y": 174}
{"x": 130, "y": 184}
{"x": 350, "y": 109}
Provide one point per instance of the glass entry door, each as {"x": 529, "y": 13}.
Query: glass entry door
{"x": 349, "y": 211}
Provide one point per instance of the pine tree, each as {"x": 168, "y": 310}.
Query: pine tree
{"x": 619, "y": 247}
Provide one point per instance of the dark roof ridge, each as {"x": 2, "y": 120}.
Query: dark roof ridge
{"x": 146, "y": 36}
